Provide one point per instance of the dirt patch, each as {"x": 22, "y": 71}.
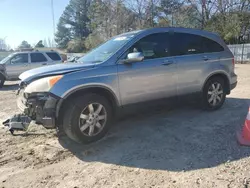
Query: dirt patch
{"x": 184, "y": 147}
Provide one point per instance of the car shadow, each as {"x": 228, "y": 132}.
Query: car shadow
{"x": 185, "y": 138}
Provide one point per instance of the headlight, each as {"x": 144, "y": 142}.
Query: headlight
{"x": 43, "y": 84}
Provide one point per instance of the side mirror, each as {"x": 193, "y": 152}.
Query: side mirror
{"x": 134, "y": 57}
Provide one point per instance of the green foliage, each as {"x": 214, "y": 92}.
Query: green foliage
{"x": 75, "y": 46}
{"x": 73, "y": 23}
{"x": 39, "y": 44}
{"x": 92, "y": 41}
{"x": 63, "y": 35}
{"x": 24, "y": 44}
{"x": 85, "y": 24}
{"x": 231, "y": 26}
{"x": 187, "y": 16}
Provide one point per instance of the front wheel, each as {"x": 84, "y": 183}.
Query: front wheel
{"x": 214, "y": 93}
{"x": 88, "y": 118}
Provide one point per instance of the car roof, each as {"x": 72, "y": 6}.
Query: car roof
{"x": 181, "y": 29}
{"x": 174, "y": 29}
{"x": 25, "y": 52}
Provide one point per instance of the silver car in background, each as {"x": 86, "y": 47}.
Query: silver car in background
{"x": 134, "y": 68}
{"x": 15, "y": 64}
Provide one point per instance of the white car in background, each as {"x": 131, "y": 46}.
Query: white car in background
{"x": 15, "y": 64}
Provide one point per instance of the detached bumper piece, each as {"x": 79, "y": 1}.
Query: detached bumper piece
{"x": 17, "y": 122}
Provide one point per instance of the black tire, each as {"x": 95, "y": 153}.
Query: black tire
{"x": 2, "y": 80}
{"x": 205, "y": 95}
{"x": 72, "y": 114}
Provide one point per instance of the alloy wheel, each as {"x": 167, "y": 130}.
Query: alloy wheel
{"x": 215, "y": 94}
{"x": 92, "y": 119}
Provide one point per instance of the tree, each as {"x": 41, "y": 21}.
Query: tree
{"x": 73, "y": 23}
{"x": 166, "y": 9}
{"x": 92, "y": 41}
{"x": 145, "y": 10}
{"x": 86, "y": 23}
{"x": 39, "y": 44}
{"x": 63, "y": 35}
{"x": 24, "y": 44}
{"x": 75, "y": 46}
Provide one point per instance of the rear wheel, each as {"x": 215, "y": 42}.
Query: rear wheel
{"x": 88, "y": 118}
{"x": 2, "y": 80}
{"x": 214, "y": 93}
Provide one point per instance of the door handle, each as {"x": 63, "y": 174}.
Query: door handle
{"x": 205, "y": 58}
{"x": 45, "y": 64}
{"x": 167, "y": 62}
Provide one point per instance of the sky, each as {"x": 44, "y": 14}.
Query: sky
{"x": 29, "y": 20}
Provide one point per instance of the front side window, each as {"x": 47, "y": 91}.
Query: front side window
{"x": 19, "y": 58}
{"x": 37, "y": 57}
{"x": 153, "y": 46}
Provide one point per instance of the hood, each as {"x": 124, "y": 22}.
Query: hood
{"x": 53, "y": 70}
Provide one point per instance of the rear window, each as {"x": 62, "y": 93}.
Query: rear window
{"x": 54, "y": 56}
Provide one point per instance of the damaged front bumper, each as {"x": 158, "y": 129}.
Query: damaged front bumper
{"x": 40, "y": 107}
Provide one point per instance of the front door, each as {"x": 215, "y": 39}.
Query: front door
{"x": 18, "y": 64}
{"x": 154, "y": 77}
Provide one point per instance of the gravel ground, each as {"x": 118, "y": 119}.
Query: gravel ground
{"x": 184, "y": 147}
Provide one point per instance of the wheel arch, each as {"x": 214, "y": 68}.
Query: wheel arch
{"x": 100, "y": 90}
{"x": 222, "y": 75}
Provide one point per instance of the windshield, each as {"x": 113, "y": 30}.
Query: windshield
{"x": 106, "y": 50}
{"x": 4, "y": 60}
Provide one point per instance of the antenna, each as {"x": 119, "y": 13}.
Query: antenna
{"x": 53, "y": 19}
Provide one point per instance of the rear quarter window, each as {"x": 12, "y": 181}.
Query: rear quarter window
{"x": 211, "y": 46}
{"x": 54, "y": 56}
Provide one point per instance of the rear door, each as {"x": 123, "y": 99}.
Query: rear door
{"x": 18, "y": 64}
{"x": 189, "y": 56}
{"x": 38, "y": 59}
{"x": 193, "y": 54}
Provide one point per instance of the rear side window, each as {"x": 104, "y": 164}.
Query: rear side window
{"x": 54, "y": 56}
{"x": 153, "y": 46}
{"x": 186, "y": 44}
{"x": 37, "y": 57}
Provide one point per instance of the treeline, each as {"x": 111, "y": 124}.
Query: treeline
{"x": 86, "y": 23}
